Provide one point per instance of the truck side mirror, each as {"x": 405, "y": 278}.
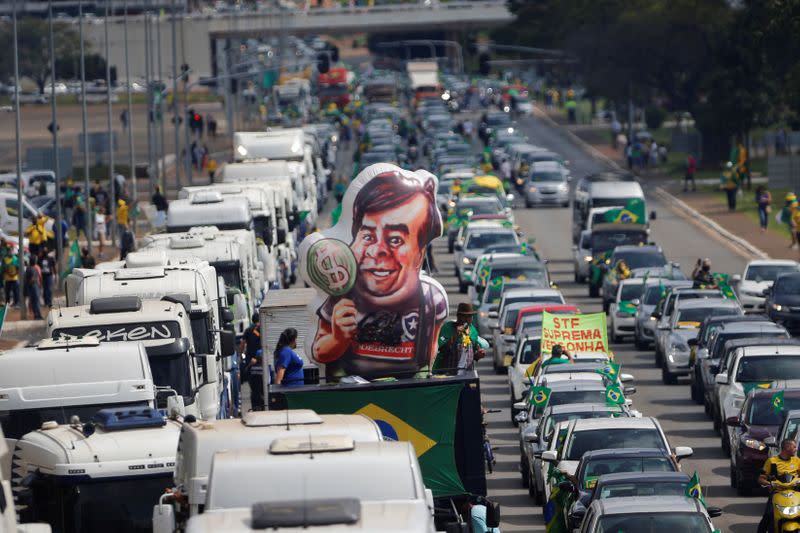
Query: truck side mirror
{"x": 281, "y": 236}
{"x": 492, "y": 514}
{"x": 226, "y": 315}
{"x": 227, "y": 341}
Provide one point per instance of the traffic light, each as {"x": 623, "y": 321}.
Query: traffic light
{"x": 484, "y": 68}
{"x": 323, "y": 62}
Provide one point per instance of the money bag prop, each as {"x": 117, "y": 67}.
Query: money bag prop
{"x": 376, "y": 314}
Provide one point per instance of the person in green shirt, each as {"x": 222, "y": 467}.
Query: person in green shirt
{"x": 459, "y": 343}
{"x": 558, "y": 356}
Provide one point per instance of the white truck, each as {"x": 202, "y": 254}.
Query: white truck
{"x": 201, "y": 440}
{"x": 97, "y": 476}
{"x": 8, "y": 515}
{"x": 311, "y": 467}
{"x": 423, "y": 75}
{"x": 227, "y": 255}
{"x": 56, "y": 380}
{"x": 151, "y": 275}
{"x": 265, "y": 224}
{"x": 193, "y": 379}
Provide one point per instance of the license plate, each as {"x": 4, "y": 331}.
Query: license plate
{"x": 507, "y": 360}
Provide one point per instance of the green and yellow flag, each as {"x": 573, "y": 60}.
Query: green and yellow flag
{"x": 777, "y": 401}
{"x": 614, "y": 395}
{"x": 539, "y": 396}
{"x": 693, "y": 489}
{"x": 747, "y": 386}
{"x": 632, "y": 213}
{"x": 610, "y": 371}
{"x": 73, "y": 259}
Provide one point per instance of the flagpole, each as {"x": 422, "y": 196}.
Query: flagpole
{"x": 132, "y": 156}
{"x": 18, "y": 149}
{"x": 87, "y": 219}
{"x": 112, "y": 184}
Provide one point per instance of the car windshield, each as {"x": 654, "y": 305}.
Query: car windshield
{"x": 611, "y": 438}
{"x": 547, "y": 176}
{"x": 768, "y": 368}
{"x": 481, "y": 208}
{"x": 696, "y": 315}
{"x": 555, "y": 418}
{"x": 762, "y": 413}
{"x": 653, "y": 523}
{"x": 631, "y": 291}
{"x": 605, "y": 241}
{"x": 641, "y": 259}
{"x": 510, "y": 319}
{"x": 479, "y": 241}
{"x": 653, "y": 295}
{"x": 610, "y": 465}
{"x": 517, "y": 273}
{"x": 648, "y": 488}
{"x": 786, "y": 285}
{"x": 531, "y": 323}
{"x": 530, "y": 351}
{"x": 767, "y": 272}
{"x": 576, "y": 396}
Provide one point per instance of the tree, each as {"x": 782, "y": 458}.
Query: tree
{"x": 34, "y": 48}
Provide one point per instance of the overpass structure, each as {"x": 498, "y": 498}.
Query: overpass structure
{"x": 199, "y": 33}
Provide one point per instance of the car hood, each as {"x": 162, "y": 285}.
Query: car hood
{"x": 754, "y": 286}
{"x": 682, "y": 336}
{"x": 761, "y": 432}
{"x": 787, "y": 299}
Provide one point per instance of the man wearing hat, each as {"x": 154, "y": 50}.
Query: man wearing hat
{"x": 459, "y": 343}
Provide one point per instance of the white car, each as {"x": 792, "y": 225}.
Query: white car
{"x": 757, "y": 277}
{"x": 754, "y": 365}
{"x": 606, "y": 433}
{"x": 526, "y": 353}
{"x": 622, "y": 311}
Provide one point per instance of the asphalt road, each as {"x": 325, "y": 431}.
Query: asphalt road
{"x": 684, "y": 421}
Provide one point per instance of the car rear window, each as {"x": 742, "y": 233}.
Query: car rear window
{"x": 627, "y": 490}
{"x": 609, "y": 438}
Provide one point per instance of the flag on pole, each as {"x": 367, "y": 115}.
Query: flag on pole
{"x": 73, "y": 258}
{"x": 539, "y": 396}
{"x": 693, "y": 489}
{"x": 614, "y": 395}
{"x": 777, "y": 401}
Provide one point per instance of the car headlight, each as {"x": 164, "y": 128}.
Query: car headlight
{"x": 788, "y": 511}
{"x": 466, "y": 260}
{"x": 563, "y": 187}
{"x": 652, "y": 318}
{"x": 531, "y": 189}
{"x": 754, "y": 444}
{"x": 588, "y": 258}
{"x": 777, "y": 307}
{"x": 483, "y": 314}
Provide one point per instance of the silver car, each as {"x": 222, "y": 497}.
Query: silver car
{"x": 477, "y": 237}
{"x": 547, "y": 183}
{"x": 644, "y": 332}
{"x": 649, "y": 513}
{"x": 684, "y": 325}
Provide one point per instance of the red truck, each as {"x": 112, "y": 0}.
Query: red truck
{"x": 333, "y": 88}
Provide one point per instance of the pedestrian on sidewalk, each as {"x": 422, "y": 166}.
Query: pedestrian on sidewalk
{"x": 785, "y": 216}
{"x": 654, "y": 154}
{"x": 100, "y": 227}
{"x": 211, "y": 167}
{"x": 47, "y": 265}
{"x": 764, "y": 203}
{"x": 33, "y": 287}
{"x": 127, "y": 241}
{"x": 691, "y": 168}
{"x": 729, "y": 183}
{"x": 161, "y": 205}
{"x": 629, "y": 155}
{"x": 616, "y": 129}
{"x": 11, "y": 279}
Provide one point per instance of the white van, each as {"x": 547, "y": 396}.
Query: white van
{"x": 200, "y": 441}
{"x": 613, "y": 193}
{"x": 9, "y": 209}
{"x": 32, "y": 181}
{"x": 56, "y": 380}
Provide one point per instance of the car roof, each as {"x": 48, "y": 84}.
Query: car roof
{"x": 588, "y": 366}
{"x": 723, "y": 320}
{"x": 619, "y": 228}
{"x": 488, "y": 226}
{"x": 759, "y": 340}
{"x": 645, "y": 248}
{"x": 523, "y": 291}
{"x": 648, "y": 504}
{"x": 477, "y": 199}
{"x": 568, "y": 385}
{"x": 514, "y": 260}
{"x": 643, "y": 477}
{"x": 789, "y": 388}
{"x": 791, "y": 349}
{"x": 669, "y": 283}
{"x": 644, "y": 422}
{"x": 753, "y": 325}
{"x": 701, "y": 303}
{"x": 583, "y": 376}
{"x": 543, "y": 166}
{"x": 632, "y": 281}
{"x": 776, "y": 262}
{"x": 624, "y": 452}
{"x": 550, "y": 308}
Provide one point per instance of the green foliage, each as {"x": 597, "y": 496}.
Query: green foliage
{"x": 654, "y": 116}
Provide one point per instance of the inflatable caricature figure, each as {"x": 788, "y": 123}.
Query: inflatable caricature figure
{"x": 377, "y": 315}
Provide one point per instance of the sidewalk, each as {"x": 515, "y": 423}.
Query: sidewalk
{"x": 742, "y": 223}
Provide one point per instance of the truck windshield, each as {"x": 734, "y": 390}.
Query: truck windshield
{"x": 230, "y": 272}
{"x": 17, "y": 423}
{"x": 120, "y": 504}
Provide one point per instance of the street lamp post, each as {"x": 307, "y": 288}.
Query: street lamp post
{"x": 88, "y": 220}
{"x": 131, "y": 155}
{"x": 176, "y": 117}
{"x": 18, "y": 149}
{"x": 112, "y": 180}
{"x": 56, "y": 165}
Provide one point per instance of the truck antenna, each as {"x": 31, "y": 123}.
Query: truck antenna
{"x": 288, "y": 426}
{"x": 310, "y": 447}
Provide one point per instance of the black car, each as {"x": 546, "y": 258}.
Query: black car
{"x": 597, "y": 463}
{"x": 604, "y": 239}
{"x": 783, "y": 300}
{"x": 756, "y": 421}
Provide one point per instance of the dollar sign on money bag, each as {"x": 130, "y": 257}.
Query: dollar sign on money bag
{"x": 332, "y": 266}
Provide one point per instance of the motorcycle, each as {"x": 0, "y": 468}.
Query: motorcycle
{"x": 785, "y": 503}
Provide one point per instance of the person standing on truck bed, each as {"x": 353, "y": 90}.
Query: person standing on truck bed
{"x": 288, "y": 365}
{"x": 250, "y": 347}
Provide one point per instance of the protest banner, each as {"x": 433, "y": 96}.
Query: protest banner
{"x": 575, "y": 333}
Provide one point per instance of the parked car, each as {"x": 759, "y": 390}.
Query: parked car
{"x": 783, "y": 300}
{"x": 757, "y": 277}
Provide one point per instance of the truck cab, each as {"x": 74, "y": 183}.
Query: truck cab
{"x": 58, "y": 379}
{"x": 200, "y": 441}
{"x": 163, "y": 326}
{"x": 8, "y": 515}
{"x": 98, "y": 476}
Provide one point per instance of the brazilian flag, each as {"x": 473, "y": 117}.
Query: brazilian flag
{"x": 747, "y": 386}
{"x": 625, "y": 306}
{"x": 539, "y": 396}
{"x": 693, "y": 489}
{"x": 723, "y": 282}
{"x": 777, "y": 401}
{"x": 632, "y": 213}
{"x": 424, "y": 416}
{"x": 614, "y": 395}
{"x": 553, "y": 510}
{"x": 610, "y": 371}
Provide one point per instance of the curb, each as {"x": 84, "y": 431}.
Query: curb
{"x": 682, "y": 208}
